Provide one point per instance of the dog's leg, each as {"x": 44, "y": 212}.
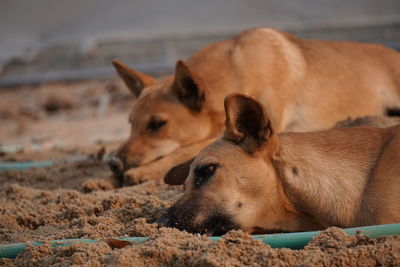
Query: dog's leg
{"x": 100, "y": 184}
{"x": 157, "y": 169}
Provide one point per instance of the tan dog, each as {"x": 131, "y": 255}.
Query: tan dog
{"x": 305, "y": 85}
{"x": 260, "y": 181}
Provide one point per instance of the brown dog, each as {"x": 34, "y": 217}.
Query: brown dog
{"x": 260, "y": 181}
{"x": 305, "y": 85}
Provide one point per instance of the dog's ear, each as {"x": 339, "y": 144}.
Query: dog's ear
{"x": 188, "y": 87}
{"x": 178, "y": 174}
{"x": 134, "y": 80}
{"x": 246, "y": 122}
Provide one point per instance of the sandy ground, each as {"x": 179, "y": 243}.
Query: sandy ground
{"x": 49, "y": 203}
{"x": 77, "y": 200}
{"x": 69, "y": 117}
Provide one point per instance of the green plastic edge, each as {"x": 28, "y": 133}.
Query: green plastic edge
{"x": 22, "y": 165}
{"x": 287, "y": 240}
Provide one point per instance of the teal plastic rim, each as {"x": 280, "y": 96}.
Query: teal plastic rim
{"x": 288, "y": 240}
{"x": 23, "y": 165}
{"x": 4, "y": 166}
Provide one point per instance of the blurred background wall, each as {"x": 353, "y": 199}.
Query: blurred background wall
{"x": 48, "y": 39}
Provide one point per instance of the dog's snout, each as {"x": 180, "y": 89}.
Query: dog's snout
{"x": 162, "y": 221}
{"x": 116, "y": 165}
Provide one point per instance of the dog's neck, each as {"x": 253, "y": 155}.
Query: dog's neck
{"x": 288, "y": 218}
{"x": 324, "y": 174}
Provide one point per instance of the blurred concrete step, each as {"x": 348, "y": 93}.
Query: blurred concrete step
{"x": 67, "y": 61}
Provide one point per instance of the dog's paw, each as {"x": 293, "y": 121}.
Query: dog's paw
{"x": 99, "y": 184}
{"x": 140, "y": 175}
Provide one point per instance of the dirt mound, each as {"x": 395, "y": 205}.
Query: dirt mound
{"x": 48, "y": 203}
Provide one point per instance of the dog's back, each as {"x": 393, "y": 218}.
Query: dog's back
{"x": 304, "y": 84}
{"x": 361, "y": 170}
{"x": 382, "y": 194}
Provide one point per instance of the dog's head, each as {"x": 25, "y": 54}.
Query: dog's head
{"x": 166, "y": 114}
{"x": 231, "y": 183}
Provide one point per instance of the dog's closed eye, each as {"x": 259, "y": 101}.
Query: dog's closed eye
{"x": 155, "y": 124}
{"x": 204, "y": 173}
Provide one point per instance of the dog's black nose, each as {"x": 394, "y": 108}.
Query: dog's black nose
{"x": 162, "y": 221}
{"x": 116, "y": 165}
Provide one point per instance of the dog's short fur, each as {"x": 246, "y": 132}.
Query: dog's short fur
{"x": 305, "y": 85}
{"x": 257, "y": 180}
